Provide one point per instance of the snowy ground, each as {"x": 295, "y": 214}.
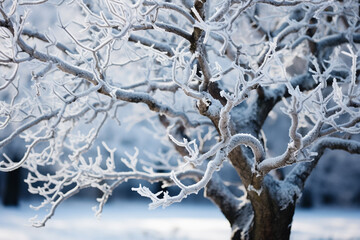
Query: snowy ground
{"x": 132, "y": 221}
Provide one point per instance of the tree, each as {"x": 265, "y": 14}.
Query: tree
{"x": 208, "y": 73}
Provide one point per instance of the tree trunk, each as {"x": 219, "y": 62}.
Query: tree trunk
{"x": 263, "y": 215}
{"x": 272, "y": 223}
{"x": 267, "y": 222}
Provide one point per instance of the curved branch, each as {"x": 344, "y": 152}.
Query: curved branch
{"x": 28, "y": 125}
{"x": 171, "y": 6}
{"x": 13, "y": 166}
{"x": 248, "y": 140}
{"x": 301, "y": 172}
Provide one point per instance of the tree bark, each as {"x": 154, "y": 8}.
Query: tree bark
{"x": 264, "y": 217}
{"x": 271, "y": 222}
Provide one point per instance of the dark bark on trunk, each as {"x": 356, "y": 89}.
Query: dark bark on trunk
{"x": 267, "y": 222}
{"x": 263, "y": 219}
{"x": 270, "y": 222}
